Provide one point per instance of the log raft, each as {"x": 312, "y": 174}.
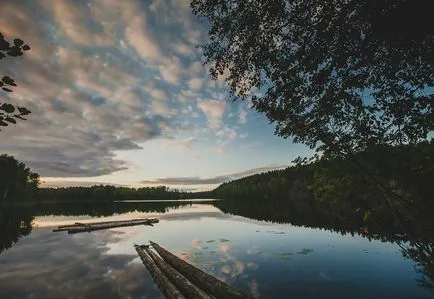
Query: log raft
{"x": 77, "y": 224}
{"x": 191, "y": 281}
{"x": 88, "y": 227}
{"x": 166, "y": 286}
{"x": 181, "y": 282}
{"x": 208, "y": 283}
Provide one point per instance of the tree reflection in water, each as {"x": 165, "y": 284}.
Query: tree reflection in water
{"x": 417, "y": 245}
{"x": 16, "y": 222}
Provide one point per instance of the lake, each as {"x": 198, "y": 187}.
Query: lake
{"x": 265, "y": 258}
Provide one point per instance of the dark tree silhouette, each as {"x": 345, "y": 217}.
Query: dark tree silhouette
{"x": 17, "y": 181}
{"x": 8, "y": 112}
{"x": 338, "y": 76}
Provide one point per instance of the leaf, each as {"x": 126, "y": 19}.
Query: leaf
{"x": 18, "y": 42}
{"x": 12, "y": 53}
{"x": 3, "y": 124}
{"x": 19, "y": 116}
{"x": 8, "y": 108}
{"x": 11, "y": 120}
{"x": 7, "y": 80}
{"x": 7, "y": 89}
{"x": 366, "y": 215}
{"x": 23, "y": 110}
{"x": 4, "y": 45}
{"x": 26, "y": 48}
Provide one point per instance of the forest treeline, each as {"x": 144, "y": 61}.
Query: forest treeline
{"x": 392, "y": 185}
{"x": 18, "y": 184}
{"x": 107, "y": 193}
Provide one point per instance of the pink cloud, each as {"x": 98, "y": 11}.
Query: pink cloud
{"x": 139, "y": 38}
{"x": 213, "y": 110}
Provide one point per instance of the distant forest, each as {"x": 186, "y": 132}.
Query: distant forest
{"x": 18, "y": 184}
{"x": 387, "y": 189}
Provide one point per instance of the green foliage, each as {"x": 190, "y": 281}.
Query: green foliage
{"x": 8, "y": 112}
{"x": 17, "y": 182}
{"x": 338, "y": 76}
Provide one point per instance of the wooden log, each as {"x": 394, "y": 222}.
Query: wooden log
{"x": 83, "y": 224}
{"x": 68, "y": 226}
{"x": 182, "y": 283}
{"x": 80, "y": 224}
{"x": 76, "y": 228}
{"x": 168, "y": 288}
{"x": 95, "y": 227}
{"x": 206, "y": 282}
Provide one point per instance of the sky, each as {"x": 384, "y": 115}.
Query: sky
{"x": 119, "y": 95}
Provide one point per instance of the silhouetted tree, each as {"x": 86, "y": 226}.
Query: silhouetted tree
{"x": 336, "y": 75}
{"x": 17, "y": 182}
{"x": 8, "y": 112}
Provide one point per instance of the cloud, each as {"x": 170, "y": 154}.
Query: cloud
{"x": 227, "y": 132}
{"x": 212, "y": 180}
{"x": 181, "y": 143}
{"x": 71, "y": 19}
{"x": 183, "y": 49}
{"x": 251, "y": 265}
{"x": 254, "y": 289}
{"x": 188, "y": 181}
{"x": 213, "y": 110}
{"x": 138, "y": 37}
{"x": 197, "y": 243}
{"x": 243, "y": 117}
{"x": 196, "y": 67}
{"x": 224, "y": 248}
{"x": 49, "y": 273}
{"x": 60, "y": 184}
{"x": 105, "y": 76}
{"x": 171, "y": 70}
{"x": 221, "y": 148}
{"x": 89, "y": 96}
{"x": 196, "y": 83}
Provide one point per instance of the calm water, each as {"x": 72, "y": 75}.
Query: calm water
{"x": 262, "y": 258}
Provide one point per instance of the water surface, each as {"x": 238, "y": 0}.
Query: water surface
{"x": 262, "y": 258}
